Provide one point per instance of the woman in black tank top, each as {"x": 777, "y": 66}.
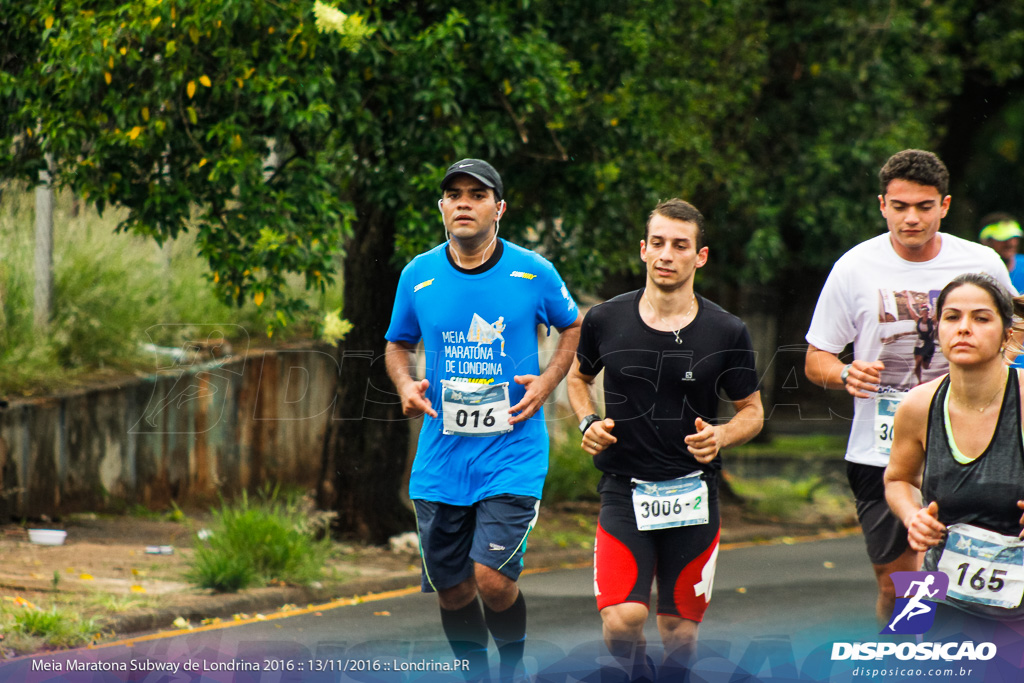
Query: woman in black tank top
{"x": 956, "y": 473}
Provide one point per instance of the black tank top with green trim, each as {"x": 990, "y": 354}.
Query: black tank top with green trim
{"x": 983, "y": 492}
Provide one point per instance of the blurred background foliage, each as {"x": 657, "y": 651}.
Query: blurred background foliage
{"x": 277, "y": 144}
{"x": 290, "y": 151}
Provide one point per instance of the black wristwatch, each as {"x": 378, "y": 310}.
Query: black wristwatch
{"x": 587, "y": 421}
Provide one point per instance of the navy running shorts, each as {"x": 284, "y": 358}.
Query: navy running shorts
{"x": 491, "y": 532}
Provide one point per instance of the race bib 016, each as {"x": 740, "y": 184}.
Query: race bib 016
{"x": 672, "y": 503}
{"x": 470, "y": 409}
{"x": 983, "y": 567}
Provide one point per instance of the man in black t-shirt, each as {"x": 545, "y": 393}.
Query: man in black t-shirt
{"x": 667, "y": 355}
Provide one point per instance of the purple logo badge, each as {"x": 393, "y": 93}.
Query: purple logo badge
{"x": 916, "y": 595}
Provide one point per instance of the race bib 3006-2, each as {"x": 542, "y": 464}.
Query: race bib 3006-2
{"x": 470, "y": 409}
{"x": 666, "y": 504}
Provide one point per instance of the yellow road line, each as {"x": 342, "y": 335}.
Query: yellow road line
{"x": 341, "y": 602}
{"x": 374, "y": 597}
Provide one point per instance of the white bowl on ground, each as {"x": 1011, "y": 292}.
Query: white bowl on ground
{"x": 47, "y": 536}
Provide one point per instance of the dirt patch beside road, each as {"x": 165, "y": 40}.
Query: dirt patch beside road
{"x": 104, "y": 570}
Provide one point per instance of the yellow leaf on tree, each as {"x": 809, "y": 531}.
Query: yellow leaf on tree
{"x": 191, "y": 89}
{"x": 107, "y": 77}
{"x": 258, "y": 298}
{"x": 111, "y": 62}
{"x": 192, "y": 116}
{"x": 205, "y": 80}
{"x": 202, "y": 162}
{"x": 135, "y": 132}
{"x": 145, "y": 113}
{"x": 239, "y": 81}
{"x": 508, "y": 86}
{"x": 193, "y": 33}
{"x": 124, "y": 51}
{"x": 216, "y": 276}
{"x": 49, "y": 22}
{"x": 155, "y": 22}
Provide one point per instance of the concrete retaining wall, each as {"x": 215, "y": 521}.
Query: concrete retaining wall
{"x": 185, "y": 434}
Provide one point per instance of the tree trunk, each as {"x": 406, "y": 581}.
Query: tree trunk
{"x": 367, "y": 440}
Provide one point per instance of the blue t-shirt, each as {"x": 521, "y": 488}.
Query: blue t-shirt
{"x": 1017, "y": 274}
{"x": 447, "y": 309}
{"x": 1017, "y": 278}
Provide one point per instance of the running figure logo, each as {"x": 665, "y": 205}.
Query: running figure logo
{"x": 915, "y": 610}
{"x": 483, "y": 332}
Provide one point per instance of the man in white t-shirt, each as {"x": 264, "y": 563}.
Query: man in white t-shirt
{"x": 881, "y": 296}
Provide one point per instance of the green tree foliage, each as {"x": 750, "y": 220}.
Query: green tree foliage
{"x": 437, "y": 83}
{"x": 772, "y": 117}
{"x": 212, "y": 116}
{"x": 665, "y": 102}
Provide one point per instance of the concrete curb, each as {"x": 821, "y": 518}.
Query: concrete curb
{"x": 196, "y": 607}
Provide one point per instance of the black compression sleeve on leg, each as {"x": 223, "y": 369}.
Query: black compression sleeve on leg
{"x": 509, "y": 630}
{"x": 467, "y": 633}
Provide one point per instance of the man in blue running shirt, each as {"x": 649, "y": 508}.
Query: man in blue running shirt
{"x": 475, "y": 302}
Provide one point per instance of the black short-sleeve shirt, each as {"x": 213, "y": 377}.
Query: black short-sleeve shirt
{"x": 655, "y": 388}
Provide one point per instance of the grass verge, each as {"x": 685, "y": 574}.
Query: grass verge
{"x": 275, "y": 538}
{"x": 28, "y": 627}
{"x": 112, "y": 293}
{"x": 811, "y": 500}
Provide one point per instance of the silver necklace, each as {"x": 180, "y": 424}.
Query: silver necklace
{"x": 663, "y": 322}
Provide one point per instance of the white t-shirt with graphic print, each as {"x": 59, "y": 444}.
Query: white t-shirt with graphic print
{"x": 876, "y": 299}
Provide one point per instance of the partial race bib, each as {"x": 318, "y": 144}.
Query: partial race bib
{"x": 983, "y": 567}
{"x": 672, "y": 503}
{"x": 885, "y": 414}
{"x": 471, "y": 409}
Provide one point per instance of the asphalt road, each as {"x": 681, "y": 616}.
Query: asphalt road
{"x": 775, "y": 612}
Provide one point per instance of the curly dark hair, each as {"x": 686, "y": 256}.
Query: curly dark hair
{"x": 917, "y": 166}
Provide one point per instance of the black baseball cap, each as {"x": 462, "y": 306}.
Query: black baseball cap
{"x": 479, "y": 169}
